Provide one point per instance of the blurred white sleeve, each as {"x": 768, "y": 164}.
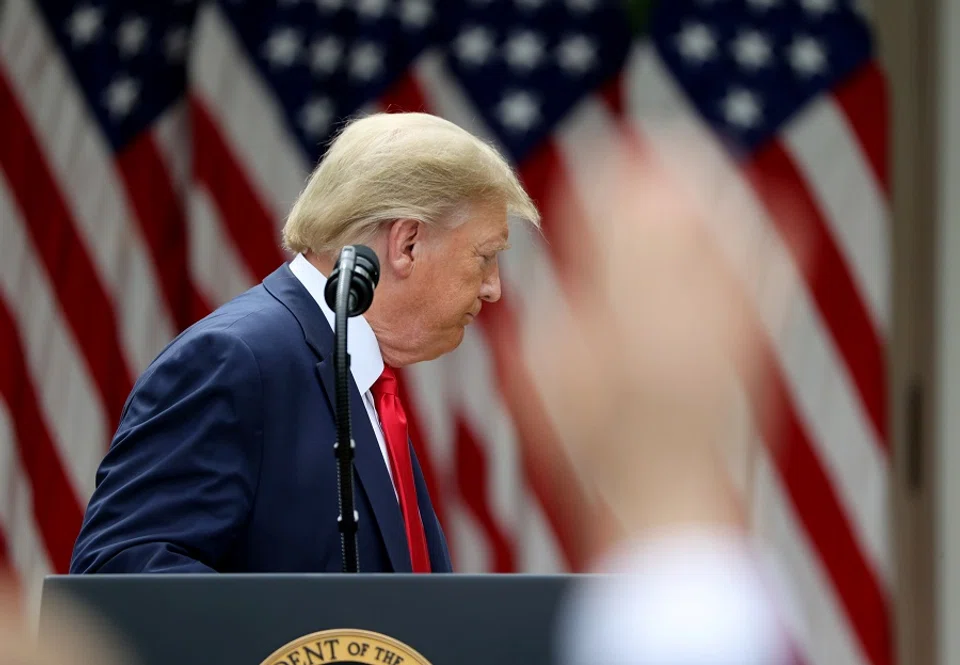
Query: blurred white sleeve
{"x": 695, "y": 598}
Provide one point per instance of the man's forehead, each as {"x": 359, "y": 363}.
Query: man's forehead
{"x": 498, "y": 238}
{"x": 487, "y": 218}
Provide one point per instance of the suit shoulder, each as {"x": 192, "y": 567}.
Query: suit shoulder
{"x": 255, "y": 318}
{"x": 210, "y": 357}
{"x": 240, "y": 327}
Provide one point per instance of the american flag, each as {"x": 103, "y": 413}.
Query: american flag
{"x": 150, "y": 152}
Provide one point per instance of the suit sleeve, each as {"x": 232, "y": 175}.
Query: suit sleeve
{"x": 175, "y": 489}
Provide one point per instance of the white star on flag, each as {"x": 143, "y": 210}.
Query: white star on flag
{"x": 372, "y": 9}
{"x": 807, "y": 56}
{"x": 316, "y": 116}
{"x": 696, "y": 42}
{"x": 518, "y": 111}
{"x": 282, "y": 47}
{"x": 474, "y": 46}
{"x": 325, "y": 54}
{"x": 416, "y": 14}
{"x": 818, "y": 7}
{"x": 576, "y": 54}
{"x": 121, "y": 95}
{"x": 85, "y": 25}
{"x": 742, "y": 109}
{"x": 524, "y": 51}
{"x": 366, "y": 60}
{"x": 752, "y": 50}
{"x": 131, "y": 36}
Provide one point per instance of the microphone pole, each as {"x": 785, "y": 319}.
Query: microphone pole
{"x": 345, "y": 446}
{"x": 349, "y": 292}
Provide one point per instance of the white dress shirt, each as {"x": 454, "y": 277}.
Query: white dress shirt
{"x": 366, "y": 363}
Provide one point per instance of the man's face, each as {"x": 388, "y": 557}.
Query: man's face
{"x": 456, "y": 271}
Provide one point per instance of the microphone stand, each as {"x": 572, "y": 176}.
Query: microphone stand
{"x": 345, "y": 446}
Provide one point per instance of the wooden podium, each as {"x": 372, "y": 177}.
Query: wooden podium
{"x": 321, "y": 619}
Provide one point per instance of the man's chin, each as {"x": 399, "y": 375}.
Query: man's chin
{"x": 441, "y": 349}
{"x": 456, "y": 339}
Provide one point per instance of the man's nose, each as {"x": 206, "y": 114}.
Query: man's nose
{"x": 490, "y": 291}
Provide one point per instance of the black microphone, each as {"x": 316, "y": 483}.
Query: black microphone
{"x": 349, "y": 292}
{"x": 361, "y": 263}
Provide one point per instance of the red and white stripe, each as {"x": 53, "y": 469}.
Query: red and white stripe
{"x": 26, "y": 552}
{"x": 813, "y": 613}
{"x": 64, "y": 389}
{"x": 84, "y": 197}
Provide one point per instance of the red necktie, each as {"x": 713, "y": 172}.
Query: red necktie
{"x": 393, "y": 420}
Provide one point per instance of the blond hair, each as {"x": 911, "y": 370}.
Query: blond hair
{"x": 391, "y": 166}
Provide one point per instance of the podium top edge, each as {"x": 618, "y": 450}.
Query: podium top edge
{"x": 318, "y": 576}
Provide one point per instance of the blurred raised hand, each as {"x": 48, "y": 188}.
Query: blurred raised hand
{"x": 644, "y": 367}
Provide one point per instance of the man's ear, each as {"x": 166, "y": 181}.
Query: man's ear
{"x": 402, "y": 239}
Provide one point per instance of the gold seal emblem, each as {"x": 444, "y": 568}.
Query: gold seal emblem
{"x": 345, "y": 646}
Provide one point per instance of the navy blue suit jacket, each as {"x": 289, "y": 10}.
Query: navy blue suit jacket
{"x": 223, "y": 460}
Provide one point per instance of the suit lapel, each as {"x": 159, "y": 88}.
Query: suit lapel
{"x": 368, "y": 462}
{"x": 375, "y": 482}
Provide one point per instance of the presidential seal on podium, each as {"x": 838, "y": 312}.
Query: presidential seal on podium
{"x": 345, "y": 646}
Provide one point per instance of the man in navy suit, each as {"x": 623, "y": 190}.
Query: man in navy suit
{"x": 223, "y": 460}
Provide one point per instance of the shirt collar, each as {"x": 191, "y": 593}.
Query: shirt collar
{"x": 366, "y": 362}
